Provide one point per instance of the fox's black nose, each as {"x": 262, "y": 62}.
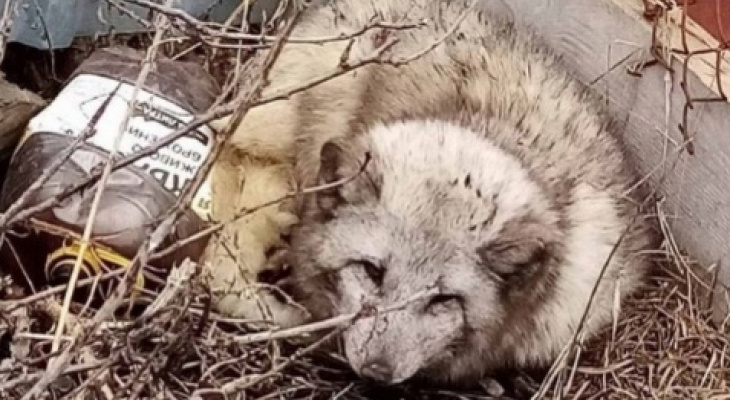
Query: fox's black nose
{"x": 378, "y": 370}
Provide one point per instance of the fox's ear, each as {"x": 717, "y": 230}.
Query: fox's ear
{"x": 331, "y": 165}
{"x": 523, "y": 248}
{"x": 348, "y": 180}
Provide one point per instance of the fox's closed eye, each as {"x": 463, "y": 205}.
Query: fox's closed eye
{"x": 443, "y": 300}
{"x": 374, "y": 271}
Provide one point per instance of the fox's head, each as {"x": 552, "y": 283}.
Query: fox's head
{"x": 442, "y": 231}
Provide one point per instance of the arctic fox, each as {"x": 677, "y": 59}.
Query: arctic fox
{"x": 484, "y": 190}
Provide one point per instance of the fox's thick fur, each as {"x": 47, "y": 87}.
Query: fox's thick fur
{"x": 495, "y": 180}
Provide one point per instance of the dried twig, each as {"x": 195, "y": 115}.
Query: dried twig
{"x": 56, "y": 364}
{"x": 88, "y": 131}
{"x": 207, "y": 28}
{"x": 329, "y": 323}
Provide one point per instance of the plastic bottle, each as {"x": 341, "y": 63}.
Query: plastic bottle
{"x": 135, "y": 196}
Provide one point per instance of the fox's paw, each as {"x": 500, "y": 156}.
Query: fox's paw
{"x": 246, "y": 250}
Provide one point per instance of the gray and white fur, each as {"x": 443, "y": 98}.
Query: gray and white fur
{"x": 496, "y": 183}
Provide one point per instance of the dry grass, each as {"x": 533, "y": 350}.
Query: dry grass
{"x": 665, "y": 345}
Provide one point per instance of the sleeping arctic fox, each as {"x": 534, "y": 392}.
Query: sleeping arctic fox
{"x": 488, "y": 190}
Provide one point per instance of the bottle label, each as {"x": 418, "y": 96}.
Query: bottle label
{"x": 153, "y": 118}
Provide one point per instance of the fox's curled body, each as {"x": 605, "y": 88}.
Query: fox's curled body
{"x": 496, "y": 185}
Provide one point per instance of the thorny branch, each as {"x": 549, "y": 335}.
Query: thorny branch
{"x": 55, "y": 366}
{"x": 89, "y": 131}
{"x": 221, "y": 112}
{"x": 209, "y": 30}
{"x": 338, "y": 321}
{"x": 245, "y": 212}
